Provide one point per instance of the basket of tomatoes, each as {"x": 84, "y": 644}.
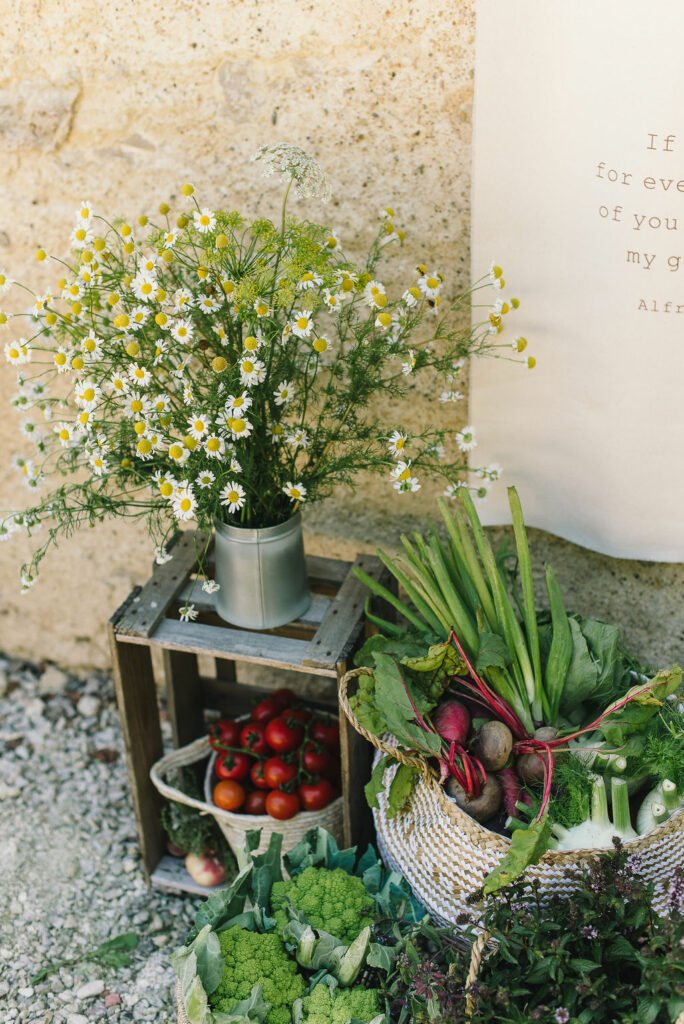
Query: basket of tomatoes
{"x": 277, "y": 770}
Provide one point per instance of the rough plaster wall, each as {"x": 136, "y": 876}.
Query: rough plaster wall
{"x": 120, "y": 102}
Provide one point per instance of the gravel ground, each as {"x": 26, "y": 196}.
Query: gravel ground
{"x": 70, "y": 873}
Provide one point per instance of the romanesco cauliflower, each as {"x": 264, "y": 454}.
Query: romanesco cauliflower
{"x": 341, "y": 1006}
{"x": 253, "y": 958}
{"x": 330, "y": 900}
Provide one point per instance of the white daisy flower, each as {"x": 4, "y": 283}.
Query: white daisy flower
{"x": 27, "y": 581}
{"x": 18, "y": 352}
{"x": 86, "y": 394}
{"x": 138, "y": 317}
{"x": 7, "y": 528}
{"x": 210, "y": 586}
{"x": 451, "y": 396}
{"x": 430, "y": 285}
{"x": 179, "y": 453}
{"x": 262, "y": 308}
{"x": 452, "y": 489}
{"x": 182, "y": 299}
{"x": 309, "y": 280}
{"x": 384, "y": 320}
{"x": 98, "y": 463}
{"x": 182, "y": 331}
{"x": 276, "y": 432}
{"x": 144, "y": 287}
{"x": 253, "y": 342}
{"x": 61, "y": 359}
{"x": 252, "y": 371}
{"x": 320, "y": 344}
{"x": 496, "y": 275}
{"x": 403, "y": 478}
{"x": 492, "y": 472}
{"x": 169, "y": 239}
{"x": 410, "y": 364}
{"x": 84, "y": 214}
{"x": 5, "y": 281}
{"x": 332, "y": 300}
{"x": 198, "y": 426}
{"x": 29, "y": 428}
{"x": 81, "y": 237}
{"x": 166, "y": 485}
{"x": 303, "y": 324}
{"x": 397, "y": 442}
{"x": 411, "y": 297}
{"x": 204, "y": 220}
{"x": 298, "y": 438}
{"x": 283, "y": 393}
{"x": 136, "y": 405}
{"x": 465, "y": 439}
{"x": 332, "y": 241}
{"x": 233, "y": 496}
{"x": 295, "y": 492}
{"x": 184, "y": 504}
{"x": 161, "y": 555}
{"x": 215, "y": 446}
{"x": 140, "y": 376}
{"x": 235, "y": 466}
{"x": 188, "y": 613}
{"x": 375, "y": 295}
{"x": 207, "y": 303}
{"x": 205, "y": 479}
{"x": 237, "y": 404}
{"x": 71, "y": 293}
{"x": 239, "y": 427}
{"x": 117, "y": 384}
{"x": 220, "y": 333}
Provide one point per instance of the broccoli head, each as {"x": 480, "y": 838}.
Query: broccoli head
{"x": 330, "y": 900}
{"x": 326, "y": 1007}
{"x": 253, "y": 958}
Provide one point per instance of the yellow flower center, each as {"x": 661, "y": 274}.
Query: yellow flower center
{"x": 166, "y": 489}
{"x": 219, "y": 364}
{"x": 132, "y": 348}
{"x": 261, "y": 309}
{"x": 295, "y": 493}
{"x": 146, "y": 288}
{"x": 83, "y": 418}
{"x": 176, "y": 451}
{"x": 247, "y": 366}
{"x": 139, "y": 373}
{"x": 251, "y": 344}
{"x": 88, "y": 395}
{"x": 302, "y": 322}
{"x": 385, "y": 319}
{"x": 185, "y": 504}
{"x": 51, "y": 319}
{"x": 80, "y": 234}
{"x": 190, "y": 442}
{"x": 233, "y": 497}
{"x": 320, "y": 344}
{"x": 380, "y": 300}
{"x": 432, "y": 282}
{"x": 14, "y": 353}
{"x": 228, "y": 287}
{"x": 144, "y": 446}
{"x": 118, "y": 384}
{"x": 139, "y": 427}
{"x": 64, "y": 434}
{"x": 238, "y": 402}
{"x": 405, "y": 474}
{"x": 182, "y": 332}
{"x": 136, "y": 405}
{"x": 205, "y": 220}
{"x": 121, "y": 320}
{"x": 161, "y": 319}
{"x": 78, "y": 362}
{"x": 199, "y": 426}
{"x": 237, "y": 425}
{"x": 399, "y": 443}
{"x": 213, "y": 444}
{"x": 89, "y": 345}
{"x": 347, "y": 285}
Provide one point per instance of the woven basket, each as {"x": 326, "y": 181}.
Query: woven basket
{"x": 445, "y": 855}
{"x": 234, "y": 826}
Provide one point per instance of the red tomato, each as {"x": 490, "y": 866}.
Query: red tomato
{"x": 282, "y": 736}
{"x": 296, "y": 715}
{"x": 326, "y": 733}
{"x": 255, "y": 802}
{"x": 253, "y": 738}
{"x": 257, "y": 776}
{"x": 316, "y": 795}
{"x": 283, "y": 696}
{"x": 266, "y": 710}
{"x": 231, "y": 765}
{"x": 225, "y": 731}
{"x": 229, "y": 795}
{"x": 278, "y": 772}
{"x": 317, "y": 760}
{"x": 282, "y": 805}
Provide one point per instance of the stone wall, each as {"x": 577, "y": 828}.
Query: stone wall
{"x": 119, "y": 103}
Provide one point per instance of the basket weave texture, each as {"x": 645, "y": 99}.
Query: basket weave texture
{"x": 445, "y": 855}
{"x": 232, "y": 825}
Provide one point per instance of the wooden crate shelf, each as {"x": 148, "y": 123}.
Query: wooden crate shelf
{"x": 320, "y": 644}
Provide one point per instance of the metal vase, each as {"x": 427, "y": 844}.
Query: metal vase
{"x": 262, "y": 574}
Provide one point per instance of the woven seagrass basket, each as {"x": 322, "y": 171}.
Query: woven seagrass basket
{"x": 233, "y": 825}
{"x": 445, "y": 855}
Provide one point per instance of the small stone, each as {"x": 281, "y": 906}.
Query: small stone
{"x": 4, "y": 988}
{"x": 8, "y": 792}
{"x": 76, "y": 1018}
{"x": 128, "y": 865}
{"x": 52, "y": 681}
{"x": 26, "y": 993}
{"x": 88, "y": 706}
{"x": 90, "y": 989}
{"x": 113, "y": 999}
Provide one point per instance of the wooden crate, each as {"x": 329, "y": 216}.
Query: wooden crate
{"x": 319, "y": 644}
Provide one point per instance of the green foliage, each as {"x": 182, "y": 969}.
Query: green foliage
{"x": 341, "y": 1006}
{"x": 333, "y": 901}
{"x": 662, "y": 753}
{"x": 113, "y": 953}
{"x": 571, "y": 798}
{"x": 252, "y": 958}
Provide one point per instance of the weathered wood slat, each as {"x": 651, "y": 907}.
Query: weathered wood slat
{"x": 183, "y": 690}
{"x": 206, "y": 605}
{"x": 149, "y": 606}
{"x": 223, "y": 642}
{"x": 356, "y": 756}
{"x": 136, "y": 696}
{"x": 333, "y": 638}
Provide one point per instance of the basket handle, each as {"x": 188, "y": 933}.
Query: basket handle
{"x": 476, "y": 956}
{"x": 416, "y": 761}
{"x": 179, "y": 759}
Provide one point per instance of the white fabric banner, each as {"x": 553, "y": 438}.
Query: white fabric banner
{"x": 578, "y": 193}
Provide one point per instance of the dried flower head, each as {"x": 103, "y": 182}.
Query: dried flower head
{"x": 294, "y": 164}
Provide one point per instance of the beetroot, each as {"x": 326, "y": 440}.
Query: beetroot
{"x": 512, "y": 789}
{"x": 493, "y": 745}
{"x": 452, "y": 721}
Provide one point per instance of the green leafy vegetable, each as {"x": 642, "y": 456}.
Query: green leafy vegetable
{"x": 528, "y": 845}
{"x": 401, "y": 789}
{"x": 112, "y": 953}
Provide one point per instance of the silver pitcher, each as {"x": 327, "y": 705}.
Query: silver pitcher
{"x": 262, "y": 574}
